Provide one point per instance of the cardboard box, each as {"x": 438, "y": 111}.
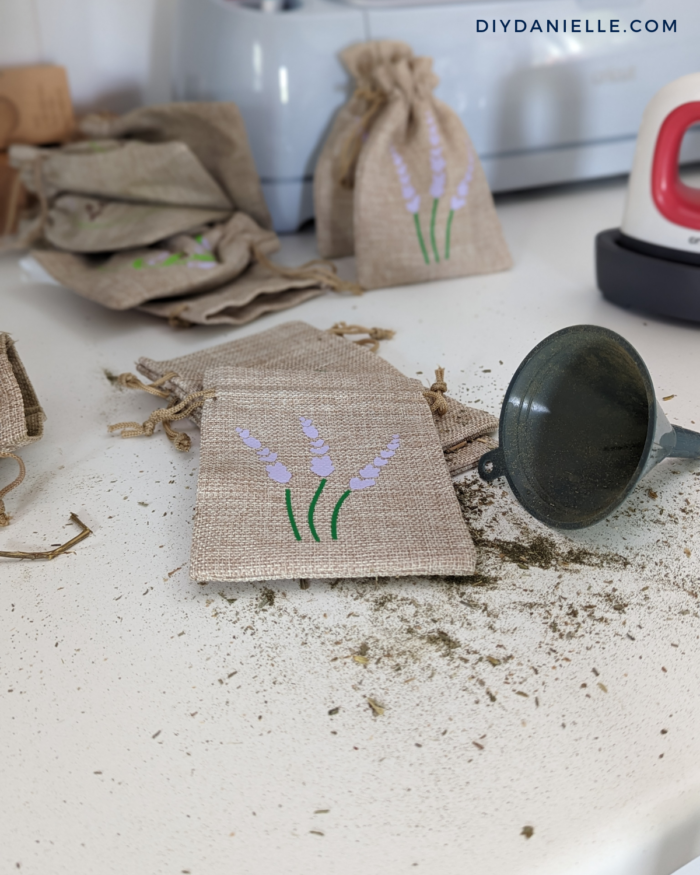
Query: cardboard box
{"x": 35, "y": 105}
{"x": 13, "y": 196}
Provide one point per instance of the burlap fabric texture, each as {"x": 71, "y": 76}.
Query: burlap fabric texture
{"x": 322, "y": 475}
{"x": 398, "y": 180}
{"x": 21, "y": 416}
{"x": 148, "y": 175}
{"x": 169, "y": 218}
{"x": 295, "y": 346}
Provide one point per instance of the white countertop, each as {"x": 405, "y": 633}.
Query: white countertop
{"x": 151, "y": 725}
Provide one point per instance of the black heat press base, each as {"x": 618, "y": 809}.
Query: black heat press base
{"x": 647, "y": 280}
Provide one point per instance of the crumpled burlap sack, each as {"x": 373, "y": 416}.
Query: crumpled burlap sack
{"x": 322, "y": 475}
{"x": 173, "y": 167}
{"x": 214, "y": 132}
{"x": 21, "y": 416}
{"x": 252, "y": 294}
{"x": 183, "y": 265}
{"x": 398, "y": 180}
{"x": 295, "y": 346}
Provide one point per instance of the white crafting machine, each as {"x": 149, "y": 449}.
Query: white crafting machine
{"x": 549, "y": 90}
{"x": 652, "y": 262}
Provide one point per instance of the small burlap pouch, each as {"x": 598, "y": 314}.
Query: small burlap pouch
{"x": 421, "y": 207}
{"x": 214, "y": 132}
{"x": 324, "y": 475}
{"x": 21, "y": 416}
{"x": 297, "y": 346}
{"x": 255, "y": 292}
{"x": 108, "y": 196}
{"x": 182, "y": 265}
{"x": 153, "y": 173}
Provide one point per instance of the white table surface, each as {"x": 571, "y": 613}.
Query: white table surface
{"x": 151, "y": 725}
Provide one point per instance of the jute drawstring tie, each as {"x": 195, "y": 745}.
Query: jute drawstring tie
{"x": 131, "y": 381}
{"x": 166, "y": 415}
{"x": 57, "y": 551}
{"x": 436, "y": 394}
{"x": 4, "y": 518}
{"x": 318, "y": 270}
{"x": 374, "y": 335}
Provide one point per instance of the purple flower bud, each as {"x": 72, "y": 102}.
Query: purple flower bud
{"x": 356, "y": 483}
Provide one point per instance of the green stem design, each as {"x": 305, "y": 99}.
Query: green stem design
{"x": 447, "y": 234}
{"x": 416, "y": 219}
{"x": 432, "y": 229}
{"x": 312, "y": 508}
{"x": 290, "y": 513}
{"x": 336, "y": 511}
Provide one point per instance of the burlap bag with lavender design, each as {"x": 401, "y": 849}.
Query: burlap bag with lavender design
{"x": 297, "y": 346}
{"x": 21, "y": 416}
{"x": 322, "y": 475}
{"x": 421, "y": 207}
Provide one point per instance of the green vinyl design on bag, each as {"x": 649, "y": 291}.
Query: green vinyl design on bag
{"x": 410, "y": 197}
{"x": 323, "y": 467}
{"x": 202, "y": 257}
{"x": 438, "y": 165}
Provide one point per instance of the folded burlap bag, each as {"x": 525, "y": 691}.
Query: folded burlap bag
{"x": 21, "y": 416}
{"x": 399, "y": 167}
{"x": 255, "y": 292}
{"x": 315, "y": 474}
{"x": 172, "y": 168}
{"x": 111, "y": 195}
{"x": 182, "y": 265}
{"x": 298, "y": 346}
{"x": 214, "y": 132}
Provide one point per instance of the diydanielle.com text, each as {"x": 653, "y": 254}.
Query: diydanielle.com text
{"x": 574, "y": 25}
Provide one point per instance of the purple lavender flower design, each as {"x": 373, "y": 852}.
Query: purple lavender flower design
{"x": 321, "y": 465}
{"x": 366, "y": 479}
{"x": 275, "y": 471}
{"x": 410, "y": 197}
{"x": 459, "y": 199}
{"x": 438, "y": 166}
{"x": 202, "y": 257}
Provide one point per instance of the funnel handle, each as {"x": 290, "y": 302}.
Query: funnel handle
{"x": 687, "y": 444}
{"x": 493, "y": 465}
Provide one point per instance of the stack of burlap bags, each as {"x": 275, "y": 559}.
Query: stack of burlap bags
{"x": 162, "y": 210}
{"x": 318, "y": 457}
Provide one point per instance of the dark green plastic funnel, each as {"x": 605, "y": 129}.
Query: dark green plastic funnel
{"x": 580, "y": 426}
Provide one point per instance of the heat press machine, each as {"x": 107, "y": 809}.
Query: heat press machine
{"x": 652, "y": 262}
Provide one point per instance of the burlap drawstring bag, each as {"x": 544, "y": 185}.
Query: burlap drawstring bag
{"x": 21, "y": 416}
{"x": 322, "y": 475}
{"x": 187, "y": 264}
{"x": 400, "y": 165}
{"x": 215, "y": 134}
{"x": 201, "y": 275}
{"x": 252, "y": 294}
{"x": 153, "y": 173}
{"x": 295, "y": 346}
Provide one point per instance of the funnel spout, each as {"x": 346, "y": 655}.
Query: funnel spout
{"x": 687, "y": 444}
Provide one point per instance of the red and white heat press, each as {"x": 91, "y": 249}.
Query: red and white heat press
{"x": 653, "y": 261}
